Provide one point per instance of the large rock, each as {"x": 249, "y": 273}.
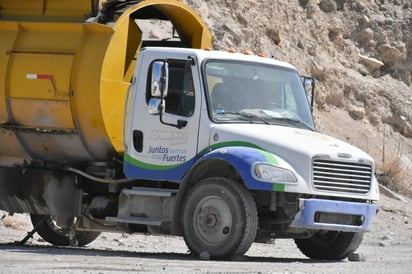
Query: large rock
{"x": 365, "y": 36}
{"x": 274, "y": 35}
{"x": 327, "y": 5}
{"x": 372, "y": 63}
{"x": 364, "y": 20}
{"x": 360, "y": 5}
{"x": 317, "y": 71}
{"x": 378, "y": 18}
{"x": 357, "y": 113}
{"x": 390, "y": 54}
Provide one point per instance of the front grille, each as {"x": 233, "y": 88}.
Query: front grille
{"x": 337, "y": 176}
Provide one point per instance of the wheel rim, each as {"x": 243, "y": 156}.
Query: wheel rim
{"x": 54, "y": 223}
{"x": 213, "y": 220}
{"x": 325, "y": 238}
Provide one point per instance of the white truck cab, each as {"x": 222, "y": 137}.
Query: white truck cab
{"x": 236, "y": 133}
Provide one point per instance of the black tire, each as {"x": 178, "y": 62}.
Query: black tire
{"x": 220, "y": 218}
{"x": 330, "y": 245}
{"x": 55, "y": 235}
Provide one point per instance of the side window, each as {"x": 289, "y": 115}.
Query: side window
{"x": 181, "y": 95}
{"x": 180, "y": 98}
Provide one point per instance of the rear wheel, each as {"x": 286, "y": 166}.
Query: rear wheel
{"x": 330, "y": 245}
{"x": 52, "y": 233}
{"x": 220, "y": 218}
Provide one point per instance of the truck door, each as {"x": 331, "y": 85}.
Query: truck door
{"x": 163, "y": 146}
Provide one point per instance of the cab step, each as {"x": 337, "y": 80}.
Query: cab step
{"x": 146, "y": 206}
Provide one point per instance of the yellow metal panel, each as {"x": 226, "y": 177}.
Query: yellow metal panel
{"x": 21, "y": 7}
{"x": 8, "y": 34}
{"x": 68, "y": 8}
{"x": 113, "y": 97}
{"x": 11, "y": 151}
{"x": 122, "y": 49}
{"x": 48, "y": 37}
{"x": 42, "y": 114}
{"x": 75, "y": 9}
{"x": 134, "y": 41}
{"x": 117, "y": 72}
{"x": 39, "y": 76}
{"x": 86, "y": 76}
{"x": 85, "y": 68}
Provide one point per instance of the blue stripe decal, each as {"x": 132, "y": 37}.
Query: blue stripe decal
{"x": 240, "y": 157}
{"x": 133, "y": 169}
{"x": 243, "y": 158}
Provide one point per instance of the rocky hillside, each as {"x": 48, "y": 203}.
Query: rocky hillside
{"x": 359, "y": 51}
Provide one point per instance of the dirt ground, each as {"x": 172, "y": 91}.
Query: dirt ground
{"x": 386, "y": 249}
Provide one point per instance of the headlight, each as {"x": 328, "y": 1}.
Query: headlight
{"x": 273, "y": 174}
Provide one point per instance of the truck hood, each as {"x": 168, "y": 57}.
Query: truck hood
{"x": 296, "y": 146}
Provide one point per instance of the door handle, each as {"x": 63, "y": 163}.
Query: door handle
{"x": 138, "y": 140}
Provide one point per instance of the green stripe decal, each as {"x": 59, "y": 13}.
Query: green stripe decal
{"x": 229, "y": 144}
{"x": 270, "y": 158}
{"x": 140, "y": 164}
{"x": 278, "y": 187}
{"x": 233, "y": 144}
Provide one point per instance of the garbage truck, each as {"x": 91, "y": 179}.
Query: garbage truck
{"x": 108, "y": 126}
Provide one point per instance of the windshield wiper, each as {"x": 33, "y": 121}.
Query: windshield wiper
{"x": 293, "y": 121}
{"x": 285, "y": 120}
{"x": 246, "y": 115}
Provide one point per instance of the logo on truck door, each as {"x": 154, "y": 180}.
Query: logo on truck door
{"x": 167, "y": 153}
{"x": 174, "y": 138}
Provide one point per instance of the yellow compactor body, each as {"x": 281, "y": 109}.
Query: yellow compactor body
{"x": 65, "y": 67}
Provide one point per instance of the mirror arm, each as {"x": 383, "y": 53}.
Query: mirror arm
{"x": 313, "y": 94}
{"x": 180, "y": 123}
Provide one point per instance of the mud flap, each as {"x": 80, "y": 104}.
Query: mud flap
{"x": 45, "y": 192}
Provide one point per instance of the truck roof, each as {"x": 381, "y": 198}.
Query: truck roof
{"x": 203, "y": 54}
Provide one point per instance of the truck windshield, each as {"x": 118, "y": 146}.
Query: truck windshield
{"x": 256, "y": 93}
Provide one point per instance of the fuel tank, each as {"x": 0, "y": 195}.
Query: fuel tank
{"x": 65, "y": 67}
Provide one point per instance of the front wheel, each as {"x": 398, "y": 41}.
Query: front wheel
{"x": 51, "y": 232}
{"x": 330, "y": 245}
{"x": 220, "y": 218}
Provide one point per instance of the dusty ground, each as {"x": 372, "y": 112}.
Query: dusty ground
{"x": 387, "y": 249}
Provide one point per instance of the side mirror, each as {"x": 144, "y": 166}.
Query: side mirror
{"x": 156, "y": 105}
{"x": 158, "y": 89}
{"x": 309, "y": 87}
{"x": 160, "y": 79}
